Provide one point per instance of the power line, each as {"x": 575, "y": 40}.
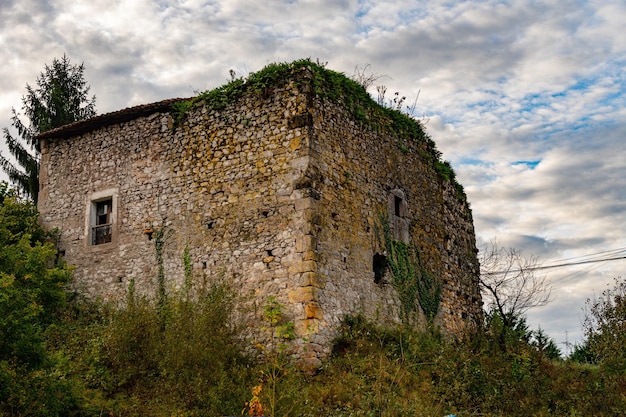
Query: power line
{"x": 574, "y": 275}
{"x": 538, "y": 268}
{"x": 590, "y": 261}
{"x": 614, "y": 251}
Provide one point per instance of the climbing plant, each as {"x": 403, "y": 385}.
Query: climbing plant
{"x": 160, "y": 235}
{"x": 416, "y": 287}
{"x": 188, "y": 271}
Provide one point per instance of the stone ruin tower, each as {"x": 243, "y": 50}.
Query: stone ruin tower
{"x": 292, "y": 183}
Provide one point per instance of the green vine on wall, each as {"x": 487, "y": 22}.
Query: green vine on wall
{"x": 188, "y": 271}
{"x": 159, "y": 236}
{"x": 415, "y": 286}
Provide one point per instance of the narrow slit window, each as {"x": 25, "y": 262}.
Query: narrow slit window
{"x": 398, "y": 215}
{"x": 398, "y": 206}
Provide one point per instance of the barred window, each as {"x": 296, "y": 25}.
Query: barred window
{"x": 102, "y": 228}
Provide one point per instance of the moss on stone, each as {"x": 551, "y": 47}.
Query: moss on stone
{"x": 328, "y": 85}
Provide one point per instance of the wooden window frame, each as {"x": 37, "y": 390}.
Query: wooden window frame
{"x": 101, "y": 226}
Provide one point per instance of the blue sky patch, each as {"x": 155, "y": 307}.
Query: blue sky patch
{"x": 529, "y": 164}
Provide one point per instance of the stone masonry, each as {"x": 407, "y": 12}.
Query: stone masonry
{"x": 278, "y": 192}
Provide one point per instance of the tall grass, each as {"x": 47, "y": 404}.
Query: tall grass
{"x": 377, "y": 371}
{"x": 184, "y": 358}
{"x": 190, "y": 362}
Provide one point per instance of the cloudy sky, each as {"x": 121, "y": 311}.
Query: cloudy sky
{"x": 526, "y": 98}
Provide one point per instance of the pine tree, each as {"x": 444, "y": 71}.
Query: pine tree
{"x": 60, "y": 97}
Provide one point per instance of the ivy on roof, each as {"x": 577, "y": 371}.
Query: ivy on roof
{"x": 329, "y": 85}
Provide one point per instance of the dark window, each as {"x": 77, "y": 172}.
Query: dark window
{"x": 397, "y": 205}
{"x": 102, "y": 228}
{"x": 398, "y": 215}
{"x": 380, "y": 267}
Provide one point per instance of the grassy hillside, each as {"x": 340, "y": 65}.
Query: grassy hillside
{"x": 187, "y": 359}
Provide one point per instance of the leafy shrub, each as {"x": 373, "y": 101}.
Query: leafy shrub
{"x": 605, "y": 327}
{"x": 190, "y": 361}
{"x": 32, "y": 293}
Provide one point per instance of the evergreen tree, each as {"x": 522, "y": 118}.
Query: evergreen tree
{"x": 544, "y": 344}
{"x": 60, "y": 97}
{"x": 582, "y": 353}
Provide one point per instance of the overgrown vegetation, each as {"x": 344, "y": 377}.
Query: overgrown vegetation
{"x": 121, "y": 363}
{"x": 62, "y": 355}
{"x": 333, "y": 86}
{"x": 135, "y": 361}
{"x": 32, "y": 295}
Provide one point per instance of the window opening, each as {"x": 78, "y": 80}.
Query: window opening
{"x": 102, "y": 230}
{"x": 397, "y": 205}
{"x": 379, "y": 265}
{"x": 398, "y": 220}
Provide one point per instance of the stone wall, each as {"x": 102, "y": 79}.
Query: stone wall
{"x": 358, "y": 172}
{"x": 278, "y": 193}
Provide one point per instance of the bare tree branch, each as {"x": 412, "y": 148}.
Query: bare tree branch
{"x": 510, "y": 283}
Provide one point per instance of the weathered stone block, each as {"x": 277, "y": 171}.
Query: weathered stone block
{"x": 313, "y": 279}
{"x": 313, "y": 311}
{"x": 304, "y": 203}
{"x": 303, "y": 266}
{"x": 306, "y": 327}
{"x": 310, "y": 256}
{"x": 306, "y": 243}
{"x": 303, "y": 294}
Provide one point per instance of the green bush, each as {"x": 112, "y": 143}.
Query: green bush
{"x": 605, "y": 327}
{"x": 190, "y": 360}
{"x": 32, "y": 294}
